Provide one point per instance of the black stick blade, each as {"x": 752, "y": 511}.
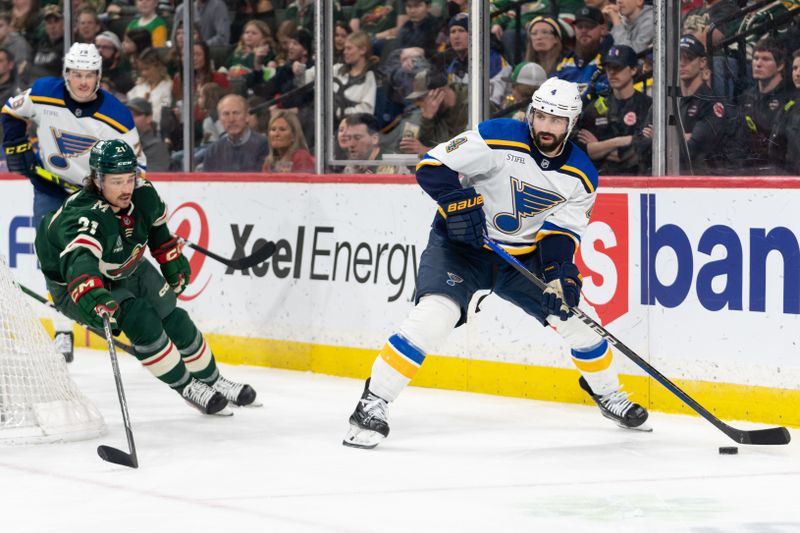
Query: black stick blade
{"x": 113, "y": 455}
{"x": 771, "y": 436}
{"x": 258, "y": 256}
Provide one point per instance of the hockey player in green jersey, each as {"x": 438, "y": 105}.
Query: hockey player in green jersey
{"x": 92, "y": 255}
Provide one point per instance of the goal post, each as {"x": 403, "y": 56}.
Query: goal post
{"x": 39, "y": 401}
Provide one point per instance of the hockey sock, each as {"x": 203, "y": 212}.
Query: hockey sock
{"x": 395, "y": 367}
{"x": 595, "y": 365}
{"x": 157, "y": 354}
{"x": 192, "y": 346}
{"x": 428, "y": 324}
{"x": 162, "y": 359}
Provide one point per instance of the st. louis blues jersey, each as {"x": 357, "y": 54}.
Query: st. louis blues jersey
{"x": 65, "y": 129}
{"x": 527, "y": 196}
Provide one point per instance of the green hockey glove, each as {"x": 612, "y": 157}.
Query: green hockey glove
{"x": 94, "y": 300}
{"x": 174, "y": 266}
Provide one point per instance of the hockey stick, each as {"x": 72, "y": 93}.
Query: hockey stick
{"x": 127, "y": 348}
{"x": 107, "y": 453}
{"x": 774, "y": 435}
{"x": 237, "y": 263}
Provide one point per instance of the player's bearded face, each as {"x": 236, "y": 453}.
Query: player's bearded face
{"x": 117, "y": 189}
{"x": 550, "y": 131}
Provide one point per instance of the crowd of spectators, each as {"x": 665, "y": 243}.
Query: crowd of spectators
{"x": 400, "y": 77}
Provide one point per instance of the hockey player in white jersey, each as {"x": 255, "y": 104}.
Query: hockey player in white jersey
{"x": 48, "y": 132}
{"x": 528, "y": 187}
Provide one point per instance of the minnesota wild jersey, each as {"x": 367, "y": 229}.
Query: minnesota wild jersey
{"x": 85, "y": 236}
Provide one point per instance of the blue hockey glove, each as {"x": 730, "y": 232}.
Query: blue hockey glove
{"x": 464, "y": 218}
{"x": 94, "y": 300}
{"x": 20, "y": 157}
{"x": 563, "y": 289}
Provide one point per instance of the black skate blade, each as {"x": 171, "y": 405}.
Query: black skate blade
{"x": 113, "y": 455}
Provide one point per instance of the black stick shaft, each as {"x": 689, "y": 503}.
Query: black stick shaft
{"x": 123, "y": 403}
{"x": 127, "y": 348}
{"x": 777, "y": 435}
{"x": 241, "y": 263}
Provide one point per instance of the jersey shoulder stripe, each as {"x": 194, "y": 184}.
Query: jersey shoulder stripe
{"x": 505, "y": 134}
{"x": 114, "y": 113}
{"x": 428, "y": 160}
{"x": 579, "y": 166}
{"x": 48, "y": 90}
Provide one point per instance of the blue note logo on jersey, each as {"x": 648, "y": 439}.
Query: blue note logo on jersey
{"x": 453, "y": 279}
{"x": 69, "y": 145}
{"x": 528, "y": 201}
{"x": 455, "y": 143}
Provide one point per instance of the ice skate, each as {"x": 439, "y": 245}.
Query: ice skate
{"x": 237, "y": 393}
{"x": 207, "y": 400}
{"x": 616, "y": 406}
{"x": 64, "y": 344}
{"x": 368, "y": 425}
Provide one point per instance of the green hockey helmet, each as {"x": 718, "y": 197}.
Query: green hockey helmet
{"x": 112, "y": 157}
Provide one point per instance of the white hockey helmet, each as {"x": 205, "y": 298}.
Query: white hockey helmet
{"x": 556, "y": 97}
{"x": 83, "y": 56}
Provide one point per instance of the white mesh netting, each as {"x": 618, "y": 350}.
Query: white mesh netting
{"x": 39, "y": 402}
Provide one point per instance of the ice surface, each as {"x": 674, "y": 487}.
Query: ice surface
{"x": 454, "y": 462}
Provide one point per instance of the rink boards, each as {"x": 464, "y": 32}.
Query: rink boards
{"x": 702, "y": 281}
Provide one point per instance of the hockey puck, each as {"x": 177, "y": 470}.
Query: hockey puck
{"x": 728, "y": 450}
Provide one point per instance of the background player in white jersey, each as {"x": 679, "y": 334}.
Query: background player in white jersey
{"x": 532, "y": 190}
{"x": 66, "y": 117}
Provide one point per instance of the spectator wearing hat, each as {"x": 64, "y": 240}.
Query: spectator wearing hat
{"x": 213, "y": 19}
{"x": 115, "y": 68}
{"x": 49, "y": 49}
{"x": 154, "y": 84}
{"x": 458, "y": 67}
{"x": 612, "y": 128}
{"x": 148, "y": 19}
{"x": 13, "y": 42}
{"x": 753, "y": 147}
{"x": 583, "y": 64}
{"x": 544, "y": 44}
{"x": 525, "y": 79}
{"x": 443, "y": 107}
{"x": 241, "y": 149}
{"x": 632, "y": 23}
{"x": 154, "y": 148}
{"x": 702, "y": 114}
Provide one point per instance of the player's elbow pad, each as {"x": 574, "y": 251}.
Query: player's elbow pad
{"x": 437, "y": 180}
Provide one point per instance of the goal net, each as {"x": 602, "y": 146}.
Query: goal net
{"x": 39, "y": 402}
